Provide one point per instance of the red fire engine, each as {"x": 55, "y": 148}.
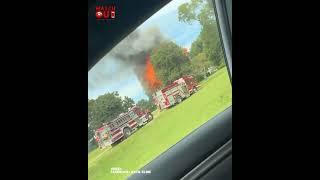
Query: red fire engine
{"x": 174, "y": 93}
{"x": 122, "y": 126}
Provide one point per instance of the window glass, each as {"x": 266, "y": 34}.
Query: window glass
{"x": 179, "y": 40}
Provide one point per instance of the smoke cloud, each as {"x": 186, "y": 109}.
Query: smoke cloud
{"x": 135, "y": 48}
{"x": 130, "y": 57}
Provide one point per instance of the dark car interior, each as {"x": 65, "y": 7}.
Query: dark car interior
{"x": 206, "y": 153}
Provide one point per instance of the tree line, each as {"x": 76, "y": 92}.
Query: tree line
{"x": 170, "y": 60}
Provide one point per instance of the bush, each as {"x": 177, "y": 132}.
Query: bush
{"x": 199, "y": 77}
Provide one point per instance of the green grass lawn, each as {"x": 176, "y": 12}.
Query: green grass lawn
{"x": 167, "y": 128}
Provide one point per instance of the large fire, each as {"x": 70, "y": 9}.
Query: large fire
{"x": 150, "y": 76}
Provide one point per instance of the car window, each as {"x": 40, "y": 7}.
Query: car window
{"x": 172, "y": 67}
{"x": 229, "y": 11}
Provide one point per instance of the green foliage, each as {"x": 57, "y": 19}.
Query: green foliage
{"x": 211, "y": 43}
{"x": 105, "y": 108}
{"x": 108, "y": 106}
{"x": 170, "y": 62}
{"x": 90, "y": 118}
{"x": 90, "y": 110}
{"x": 187, "y": 11}
{"x": 208, "y": 41}
{"x": 196, "y": 48}
{"x": 206, "y": 15}
{"x": 127, "y": 103}
{"x": 90, "y": 133}
{"x": 218, "y": 57}
{"x": 146, "y": 104}
{"x": 200, "y": 65}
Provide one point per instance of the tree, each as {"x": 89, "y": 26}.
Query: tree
{"x": 211, "y": 44}
{"x": 196, "y": 47}
{"x": 169, "y": 61}
{"x": 200, "y": 65}
{"x": 146, "y": 104}
{"x": 208, "y": 41}
{"x": 90, "y": 133}
{"x": 197, "y": 10}
{"x": 127, "y": 103}
{"x": 106, "y": 107}
{"x": 91, "y": 103}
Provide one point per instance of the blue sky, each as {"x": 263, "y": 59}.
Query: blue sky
{"x": 104, "y": 76}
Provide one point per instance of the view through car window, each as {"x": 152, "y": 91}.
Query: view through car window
{"x": 160, "y": 83}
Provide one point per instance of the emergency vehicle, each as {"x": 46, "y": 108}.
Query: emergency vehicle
{"x": 174, "y": 93}
{"x": 122, "y": 127}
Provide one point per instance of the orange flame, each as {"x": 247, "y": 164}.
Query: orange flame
{"x": 150, "y": 76}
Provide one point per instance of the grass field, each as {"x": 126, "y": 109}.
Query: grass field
{"x": 167, "y": 128}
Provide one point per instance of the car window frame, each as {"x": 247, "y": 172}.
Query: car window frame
{"x": 225, "y": 31}
{"x": 221, "y": 117}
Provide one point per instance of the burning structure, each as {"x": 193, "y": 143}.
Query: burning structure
{"x": 134, "y": 51}
{"x": 150, "y": 77}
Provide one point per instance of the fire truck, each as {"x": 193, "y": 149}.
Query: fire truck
{"x": 175, "y": 92}
{"x": 122, "y": 127}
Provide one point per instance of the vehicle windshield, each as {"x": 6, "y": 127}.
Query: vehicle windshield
{"x": 172, "y": 67}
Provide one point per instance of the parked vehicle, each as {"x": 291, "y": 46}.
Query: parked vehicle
{"x": 174, "y": 93}
{"x": 122, "y": 127}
